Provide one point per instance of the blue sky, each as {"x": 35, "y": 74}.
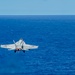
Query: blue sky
{"x": 37, "y": 7}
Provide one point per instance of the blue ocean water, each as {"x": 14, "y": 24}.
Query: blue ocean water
{"x": 55, "y": 36}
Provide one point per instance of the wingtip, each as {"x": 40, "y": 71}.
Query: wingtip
{"x": 1, "y": 46}
{"x": 37, "y": 46}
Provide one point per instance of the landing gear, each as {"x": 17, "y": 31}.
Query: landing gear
{"x": 15, "y": 51}
{"x": 23, "y": 51}
{"x": 18, "y": 50}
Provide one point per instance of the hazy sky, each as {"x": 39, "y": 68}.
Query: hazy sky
{"x": 37, "y": 7}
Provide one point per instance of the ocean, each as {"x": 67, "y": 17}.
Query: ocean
{"x": 55, "y": 36}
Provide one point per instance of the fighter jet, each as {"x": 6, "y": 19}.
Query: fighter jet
{"x": 19, "y": 46}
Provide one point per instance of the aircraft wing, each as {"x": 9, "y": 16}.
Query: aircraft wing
{"x": 9, "y": 46}
{"x": 19, "y": 44}
{"x": 29, "y": 47}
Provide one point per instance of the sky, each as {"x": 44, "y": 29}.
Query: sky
{"x": 37, "y": 7}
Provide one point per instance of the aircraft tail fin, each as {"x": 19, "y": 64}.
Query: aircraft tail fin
{"x": 14, "y": 43}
